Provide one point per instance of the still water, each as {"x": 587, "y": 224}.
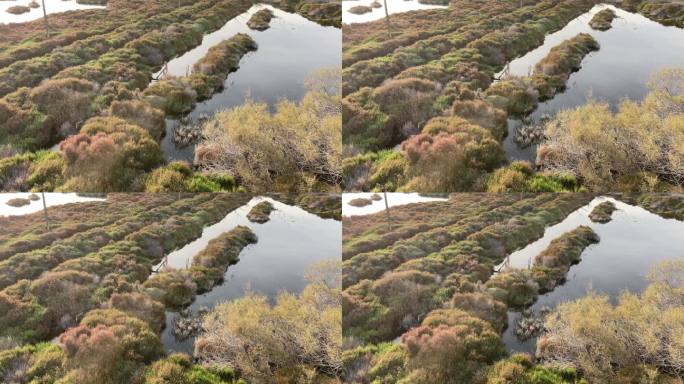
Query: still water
{"x": 51, "y": 6}
{"x": 289, "y": 52}
{"x": 393, "y": 200}
{"x": 631, "y": 51}
{"x": 631, "y": 243}
{"x": 393, "y": 6}
{"x": 51, "y": 200}
{"x": 290, "y": 242}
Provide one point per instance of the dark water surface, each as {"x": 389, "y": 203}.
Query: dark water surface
{"x": 633, "y": 49}
{"x": 631, "y": 243}
{"x": 289, "y": 51}
{"x": 289, "y": 243}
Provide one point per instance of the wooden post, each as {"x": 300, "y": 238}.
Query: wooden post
{"x": 47, "y": 26}
{"x": 47, "y": 218}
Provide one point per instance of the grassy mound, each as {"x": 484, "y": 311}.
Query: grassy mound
{"x": 18, "y": 202}
{"x": 18, "y": 9}
{"x": 360, "y": 9}
{"x": 260, "y": 212}
{"x": 602, "y": 212}
{"x": 603, "y": 20}
{"x": 360, "y": 202}
{"x": 260, "y": 20}
{"x": 553, "y": 263}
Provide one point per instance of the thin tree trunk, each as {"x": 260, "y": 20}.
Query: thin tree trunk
{"x": 389, "y": 25}
{"x": 384, "y": 193}
{"x": 47, "y": 26}
{"x": 47, "y": 218}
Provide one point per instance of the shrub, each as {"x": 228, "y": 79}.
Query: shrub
{"x": 451, "y": 155}
{"x": 484, "y": 306}
{"x": 175, "y": 289}
{"x": 515, "y": 95}
{"x": 640, "y": 332}
{"x": 297, "y": 336}
{"x": 297, "y": 148}
{"x": 140, "y": 306}
{"x": 108, "y": 155}
{"x": 483, "y": 114}
{"x": 141, "y": 114}
{"x": 517, "y": 288}
{"x": 451, "y": 348}
{"x": 637, "y": 148}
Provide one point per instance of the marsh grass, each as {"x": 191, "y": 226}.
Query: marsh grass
{"x": 430, "y": 277}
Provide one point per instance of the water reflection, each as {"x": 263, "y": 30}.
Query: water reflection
{"x": 290, "y": 242}
{"x": 393, "y": 6}
{"x": 51, "y": 6}
{"x": 289, "y": 51}
{"x": 631, "y": 51}
{"x": 631, "y": 243}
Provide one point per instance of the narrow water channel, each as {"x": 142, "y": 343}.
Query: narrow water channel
{"x": 51, "y": 7}
{"x": 393, "y": 6}
{"x": 290, "y": 242}
{"x": 631, "y": 51}
{"x": 289, "y": 51}
{"x": 393, "y": 200}
{"x": 631, "y": 243}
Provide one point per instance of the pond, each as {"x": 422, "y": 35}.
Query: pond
{"x": 631, "y": 243}
{"x": 290, "y": 242}
{"x": 51, "y": 200}
{"x": 51, "y": 6}
{"x": 289, "y": 52}
{"x": 393, "y": 200}
{"x": 631, "y": 51}
{"x": 393, "y": 6}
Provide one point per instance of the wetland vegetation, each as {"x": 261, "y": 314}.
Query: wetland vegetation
{"x": 431, "y": 103}
{"x": 85, "y": 106}
{"x": 89, "y": 288}
{"x": 434, "y": 291}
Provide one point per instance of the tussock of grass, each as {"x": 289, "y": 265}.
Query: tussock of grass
{"x": 360, "y": 9}
{"x": 360, "y": 202}
{"x": 602, "y": 212}
{"x": 260, "y": 20}
{"x": 18, "y": 202}
{"x": 603, "y": 20}
{"x": 18, "y": 9}
{"x": 260, "y": 212}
